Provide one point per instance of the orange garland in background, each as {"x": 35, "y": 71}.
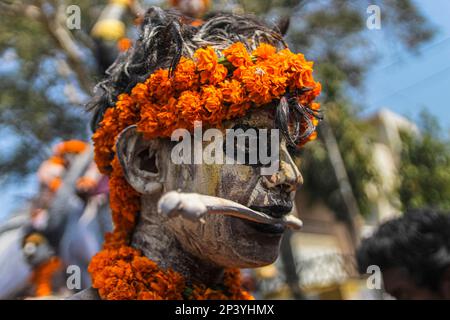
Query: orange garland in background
{"x": 208, "y": 88}
{"x": 85, "y": 183}
{"x": 60, "y": 150}
{"x": 55, "y": 184}
{"x": 43, "y": 275}
{"x": 124, "y": 44}
{"x": 70, "y": 146}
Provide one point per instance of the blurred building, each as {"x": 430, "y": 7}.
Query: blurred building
{"x": 386, "y": 156}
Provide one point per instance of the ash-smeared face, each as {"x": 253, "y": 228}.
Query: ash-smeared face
{"x": 229, "y": 241}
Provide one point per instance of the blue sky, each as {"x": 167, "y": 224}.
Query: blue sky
{"x": 407, "y": 82}
{"x": 403, "y": 82}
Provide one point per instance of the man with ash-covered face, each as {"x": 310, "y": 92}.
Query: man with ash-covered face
{"x": 195, "y": 223}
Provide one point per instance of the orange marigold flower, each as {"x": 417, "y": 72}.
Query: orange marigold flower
{"x": 139, "y": 93}
{"x": 208, "y": 65}
{"x": 278, "y": 80}
{"x": 57, "y": 160}
{"x": 70, "y": 146}
{"x": 232, "y": 91}
{"x": 315, "y": 106}
{"x": 316, "y": 91}
{"x": 298, "y": 68}
{"x": 149, "y": 123}
{"x": 257, "y": 82}
{"x": 43, "y": 275}
{"x": 189, "y": 105}
{"x": 214, "y": 77}
{"x": 205, "y": 59}
{"x": 104, "y": 140}
{"x": 85, "y": 184}
{"x": 168, "y": 117}
{"x": 238, "y": 55}
{"x": 311, "y": 95}
{"x": 313, "y": 136}
{"x": 127, "y": 108}
{"x": 160, "y": 85}
{"x": 124, "y": 44}
{"x": 55, "y": 184}
{"x": 212, "y": 103}
{"x": 185, "y": 76}
{"x": 264, "y": 51}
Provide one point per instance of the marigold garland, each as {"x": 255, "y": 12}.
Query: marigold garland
{"x": 58, "y": 158}
{"x": 85, "y": 183}
{"x": 124, "y": 274}
{"x": 124, "y": 44}
{"x": 43, "y": 275}
{"x": 70, "y": 146}
{"x": 209, "y": 88}
{"x": 55, "y": 184}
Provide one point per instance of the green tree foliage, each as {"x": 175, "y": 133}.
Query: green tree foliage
{"x": 41, "y": 88}
{"x": 354, "y": 139}
{"x": 425, "y": 168}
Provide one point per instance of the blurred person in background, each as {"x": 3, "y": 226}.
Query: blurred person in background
{"x": 413, "y": 254}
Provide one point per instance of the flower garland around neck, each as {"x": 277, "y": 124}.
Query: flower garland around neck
{"x": 124, "y": 274}
{"x": 211, "y": 87}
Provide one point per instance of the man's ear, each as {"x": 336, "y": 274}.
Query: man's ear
{"x": 139, "y": 159}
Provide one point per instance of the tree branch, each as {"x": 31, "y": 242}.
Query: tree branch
{"x": 65, "y": 42}
{"x": 343, "y": 180}
{"x": 53, "y": 24}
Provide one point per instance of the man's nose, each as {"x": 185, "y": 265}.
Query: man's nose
{"x": 288, "y": 177}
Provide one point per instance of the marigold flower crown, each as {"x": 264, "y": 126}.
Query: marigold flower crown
{"x": 208, "y": 88}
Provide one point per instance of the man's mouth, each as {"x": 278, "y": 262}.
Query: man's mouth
{"x": 266, "y": 228}
{"x": 195, "y": 207}
{"x": 276, "y": 211}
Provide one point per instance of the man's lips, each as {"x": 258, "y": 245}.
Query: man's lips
{"x": 276, "y": 211}
{"x": 195, "y": 206}
{"x": 266, "y": 228}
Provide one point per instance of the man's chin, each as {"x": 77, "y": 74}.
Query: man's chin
{"x": 258, "y": 243}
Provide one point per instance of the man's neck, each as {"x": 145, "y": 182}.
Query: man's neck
{"x": 160, "y": 245}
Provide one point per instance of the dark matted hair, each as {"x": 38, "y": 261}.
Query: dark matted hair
{"x": 419, "y": 241}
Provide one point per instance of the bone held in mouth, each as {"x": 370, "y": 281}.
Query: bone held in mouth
{"x": 194, "y": 207}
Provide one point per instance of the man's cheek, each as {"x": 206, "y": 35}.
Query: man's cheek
{"x": 239, "y": 173}
{"x": 238, "y": 184}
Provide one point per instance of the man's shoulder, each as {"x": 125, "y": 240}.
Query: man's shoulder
{"x": 86, "y": 294}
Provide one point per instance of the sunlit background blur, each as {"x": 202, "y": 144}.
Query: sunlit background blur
{"x": 383, "y": 147}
